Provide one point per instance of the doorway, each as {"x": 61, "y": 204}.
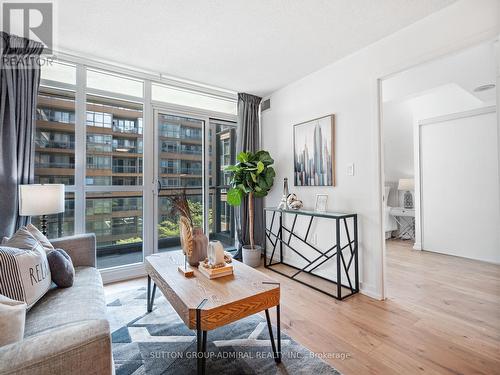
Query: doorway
{"x": 440, "y": 168}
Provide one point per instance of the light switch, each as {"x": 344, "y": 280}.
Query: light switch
{"x": 350, "y": 169}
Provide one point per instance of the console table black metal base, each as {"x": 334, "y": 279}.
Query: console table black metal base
{"x": 345, "y": 255}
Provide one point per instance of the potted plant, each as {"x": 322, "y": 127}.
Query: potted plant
{"x": 252, "y": 177}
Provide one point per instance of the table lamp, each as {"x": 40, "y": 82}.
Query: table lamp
{"x": 41, "y": 200}
{"x": 406, "y": 185}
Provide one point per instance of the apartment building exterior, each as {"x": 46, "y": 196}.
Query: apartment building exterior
{"x": 114, "y": 156}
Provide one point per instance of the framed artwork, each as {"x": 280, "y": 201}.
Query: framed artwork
{"x": 314, "y": 152}
{"x": 321, "y": 201}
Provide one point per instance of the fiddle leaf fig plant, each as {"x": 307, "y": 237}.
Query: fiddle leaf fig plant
{"x": 252, "y": 177}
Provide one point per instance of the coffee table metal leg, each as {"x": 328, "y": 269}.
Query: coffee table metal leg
{"x": 150, "y": 297}
{"x": 153, "y": 296}
{"x": 271, "y": 336}
{"x": 201, "y": 341}
{"x": 278, "y": 324}
{"x": 203, "y": 350}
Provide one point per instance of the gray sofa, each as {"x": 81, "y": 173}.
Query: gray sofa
{"x": 66, "y": 331}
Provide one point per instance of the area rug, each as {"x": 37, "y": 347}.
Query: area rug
{"x": 160, "y": 343}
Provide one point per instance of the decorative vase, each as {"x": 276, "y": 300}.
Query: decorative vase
{"x": 215, "y": 253}
{"x": 200, "y": 245}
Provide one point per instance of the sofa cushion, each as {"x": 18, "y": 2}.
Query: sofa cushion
{"x": 83, "y": 301}
{"x": 24, "y": 269}
{"x": 12, "y": 318}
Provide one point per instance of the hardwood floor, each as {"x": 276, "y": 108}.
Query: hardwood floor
{"x": 442, "y": 316}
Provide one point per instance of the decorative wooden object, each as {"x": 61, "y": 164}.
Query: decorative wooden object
{"x": 187, "y": 272}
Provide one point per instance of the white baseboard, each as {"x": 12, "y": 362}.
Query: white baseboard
{"x": 370, "y": 291}
{"x": 417, "y": 246}
{"x": 112, "y": 275}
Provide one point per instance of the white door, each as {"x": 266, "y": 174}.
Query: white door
{"x": 460, "y": 185}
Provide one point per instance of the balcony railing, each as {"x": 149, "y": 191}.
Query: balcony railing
{"x": 54, "y": 165}
{"x": 193, "y": 171}
{"x": 118, "y": 129}
{"x": 126, "y": 169}
{"x": 67, "y": 145}
{"x": 129, "y": 149}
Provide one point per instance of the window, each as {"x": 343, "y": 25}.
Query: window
{"x": 116, "y": 83}
{"x": 127, "y": 165}
{"x": 55, "y": 137}
{"x": 59, "y": 72}
{"x": 116, "y": 129}
{"x": 223, "y": 141}
{"x": 98, "y": 180}
{"x": 170, "y": 130}
{"x": 110, "y": 122}
{"x": 98, "y": 162}
{"x": 62, "y": 224}
{"x": 99, "y": 142}
{"x": 167, "y": 94}
{"x": 169, "y": 166}
{"x": 116, "y": 219}
{"x": 99, "y": 119}
{"x": 169, "y": 146}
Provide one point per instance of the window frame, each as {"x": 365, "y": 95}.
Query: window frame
{"x": 150, "y": 155}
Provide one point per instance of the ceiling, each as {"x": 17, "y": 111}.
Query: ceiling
{"x": 253, "y": 46}
{"x": 467, "y": 69}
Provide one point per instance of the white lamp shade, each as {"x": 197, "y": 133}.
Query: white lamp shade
{"x": 406, "y": 184}
{"x": 41, "y": 199}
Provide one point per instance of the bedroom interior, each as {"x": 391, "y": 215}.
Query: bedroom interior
{"x": 439, "y": 133}
{"x": 249, "y": 187}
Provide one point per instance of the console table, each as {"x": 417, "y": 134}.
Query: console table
{"x": 345, "y": 256}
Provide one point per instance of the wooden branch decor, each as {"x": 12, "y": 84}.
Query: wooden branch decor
{"x": 180, "y": 205}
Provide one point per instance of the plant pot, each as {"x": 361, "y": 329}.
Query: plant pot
{"x": 251, "y": 255}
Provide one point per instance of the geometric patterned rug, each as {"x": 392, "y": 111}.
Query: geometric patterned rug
{"x": 160, "y": 343}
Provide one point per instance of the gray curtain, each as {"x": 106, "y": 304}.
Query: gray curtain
{"x": 248, "y": 139}
{"x": 19, "y": 83}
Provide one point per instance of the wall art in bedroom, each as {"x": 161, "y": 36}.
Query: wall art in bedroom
{"x": 314, "y": 152}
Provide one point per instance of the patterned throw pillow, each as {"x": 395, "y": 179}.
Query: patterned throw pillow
{"x": 24, "y": 269}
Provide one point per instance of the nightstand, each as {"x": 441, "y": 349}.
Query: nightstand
{"x": 405, "y": 217}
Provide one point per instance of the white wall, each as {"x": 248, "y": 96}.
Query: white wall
{"x": 397, "y": 120}
{"x": 440, "y": 87}
{"x": 459, "y": 180}
{"x": 400, "y": 117}
{"x": 348, "y": 88}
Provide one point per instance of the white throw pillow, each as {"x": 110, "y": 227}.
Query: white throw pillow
{"x": 24, "y": 269}
{"x": 12, "y": 319}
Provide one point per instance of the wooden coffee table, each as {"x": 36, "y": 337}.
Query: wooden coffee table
{"x": 205, "y": 304}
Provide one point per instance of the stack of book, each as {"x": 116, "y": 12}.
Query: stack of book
{"x": 213, "y": 273}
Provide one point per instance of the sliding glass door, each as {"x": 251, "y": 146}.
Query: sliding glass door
{"x": 191, "y": 154}
{"x": 180, "y": 162}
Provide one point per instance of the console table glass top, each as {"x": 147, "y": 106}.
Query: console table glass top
{"x": 326, "y": 214}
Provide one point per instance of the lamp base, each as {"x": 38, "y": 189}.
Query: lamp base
{"x": 43, "y": 222}
{"x": 408, "y": 200}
